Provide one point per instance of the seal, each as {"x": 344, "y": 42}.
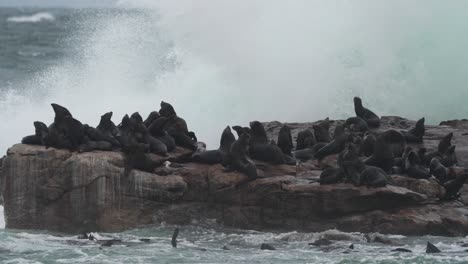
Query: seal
{"x": 349, "y": 154}
{"x": 308, "y": 153}
{"x": 413, "y": 167}
{"x": 40, "y": 135}
{"x": 151, "y": 118}
{"x": 305, "y": 139}
{"x": 356, "y": 124}
{"x": 366, "y": 148}
{"x": 156, "y": 129}
{"x": 334, "y": 147}
{"x": 415, "y": 134}
{"x": 240, "y": 130}
{"x": 238, "y": 157}
{"x": 96, "y": 135}
{"x": 219, "y": 155}
{"x": 396, "y": 140}
{"x": 331, "y": 175}
{"x": 445, "y": 143}
{"x": 74, "y": 131}
{"x": 371, "y": 119}
{"x": 177, "y": 127}
{"x": 109, "y": 129}
{"x": 382, "y": 156}
{"x": 440, "y": 172}
{"x": 321, "y": 131}
{"x": 285, "y": 142}
{"x": 452, "y": 187}
{"x": 261, "y": 149}
{"x": 449, "y": 158}
{"x": 137, "y": 117}
{"x": 374, "y": 177}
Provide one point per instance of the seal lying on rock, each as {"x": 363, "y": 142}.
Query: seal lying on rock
{"x": 219, "y": 155}
{"x": 308, "y": 153}
{"x": 39, "y": 137}
{"x": 371, "y": 119}
{"x": 261, "y": 149}
{"x": 356, "y": 124}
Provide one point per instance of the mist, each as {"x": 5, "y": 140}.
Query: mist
{"x": 229, "y": 62}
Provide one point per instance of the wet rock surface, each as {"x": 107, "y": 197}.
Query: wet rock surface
{"x": 75, "y": 192}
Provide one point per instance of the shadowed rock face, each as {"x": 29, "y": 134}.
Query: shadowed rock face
{"x": 75, "y": 192}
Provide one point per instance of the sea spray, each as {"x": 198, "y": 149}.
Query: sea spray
{"x": 223, "y": 63}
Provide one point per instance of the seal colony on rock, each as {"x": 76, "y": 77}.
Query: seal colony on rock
{"x": 366, "y": 154}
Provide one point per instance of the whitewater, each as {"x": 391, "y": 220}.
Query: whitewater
{"x": 226, "y": 63}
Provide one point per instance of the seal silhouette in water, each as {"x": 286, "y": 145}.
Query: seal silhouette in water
{"x": 371, "y": 119}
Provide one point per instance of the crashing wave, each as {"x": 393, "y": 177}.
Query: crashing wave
{"x": 38, "y": 17}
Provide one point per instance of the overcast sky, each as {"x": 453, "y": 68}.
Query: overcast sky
{"x": 71, "y": 3}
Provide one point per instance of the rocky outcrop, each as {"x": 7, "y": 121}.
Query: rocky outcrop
{"x": 74, "y": 192}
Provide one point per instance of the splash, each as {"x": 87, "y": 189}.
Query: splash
{"x": 35, "y": 18}
{"x": 224, "y": 63}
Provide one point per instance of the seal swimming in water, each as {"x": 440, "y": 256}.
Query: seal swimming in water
{"x": 371, "y": 119}
{"x": 415, "y": 134}
{"x": 219, "y": 155}
{"x": 305, "y": 139}
{"x": 238, "y": 157}
{"x": 285, "y": 142}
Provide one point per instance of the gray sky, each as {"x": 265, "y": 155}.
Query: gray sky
{"x": 48, "y": 3}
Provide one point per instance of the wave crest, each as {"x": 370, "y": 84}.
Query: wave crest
{"x": 35, "y": 18}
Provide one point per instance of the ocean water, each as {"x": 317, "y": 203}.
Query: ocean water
{"x": 225, "y": 63}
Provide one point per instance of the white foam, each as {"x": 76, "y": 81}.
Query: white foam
{"x": 35, "y": 18}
